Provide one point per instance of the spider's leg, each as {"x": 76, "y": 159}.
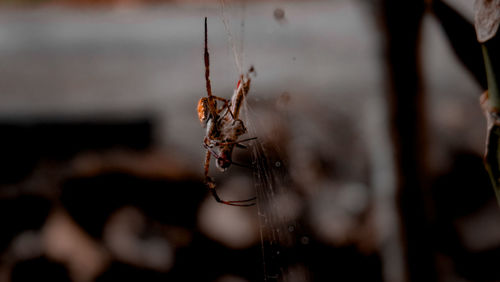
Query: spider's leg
{"x": 241, "y": 146}
{"x": 235, "y": 142}
{"x": 242, "y": 165}
{"x": 212, "y": 105}
{"x": 211, "y": 186}
{"x": 227, "y": 107}
{"x": 221, "y": 99}
{"x": 207, "y": 164}
{"x": 207, "y": 64}
{"x": 242, "y": 203}
{"x": 245, "y": 140}
{"x": 230, "y": 112}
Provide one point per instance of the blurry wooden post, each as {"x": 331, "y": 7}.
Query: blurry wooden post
{"x": 402, "y": 23}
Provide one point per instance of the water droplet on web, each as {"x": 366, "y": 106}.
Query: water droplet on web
{"x": 277, "y": 164}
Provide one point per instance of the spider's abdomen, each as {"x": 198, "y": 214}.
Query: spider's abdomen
{"x": 203, "y": 111}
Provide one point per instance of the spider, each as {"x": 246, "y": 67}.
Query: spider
{"x": 223, "y": 127}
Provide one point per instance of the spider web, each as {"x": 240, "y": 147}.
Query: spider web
{"x": 280, "y": 235}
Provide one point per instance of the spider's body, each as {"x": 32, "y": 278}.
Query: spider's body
{"x": 223, "y": 126}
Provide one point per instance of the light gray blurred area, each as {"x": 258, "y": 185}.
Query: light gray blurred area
{"x": 128, "y": 61}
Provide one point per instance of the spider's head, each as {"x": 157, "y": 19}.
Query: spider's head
{"x": 224, "y": 159}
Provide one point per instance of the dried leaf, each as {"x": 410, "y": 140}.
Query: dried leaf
{"x": 487, "y": 18}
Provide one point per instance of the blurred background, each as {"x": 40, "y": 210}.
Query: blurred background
{"x": 367, "y": 111}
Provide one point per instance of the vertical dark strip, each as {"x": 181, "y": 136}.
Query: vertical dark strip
{"x": 402, "y": 22}
{"x": 462, "y": 37}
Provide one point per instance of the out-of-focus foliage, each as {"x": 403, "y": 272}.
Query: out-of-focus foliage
{"x": 487, "y": 19}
